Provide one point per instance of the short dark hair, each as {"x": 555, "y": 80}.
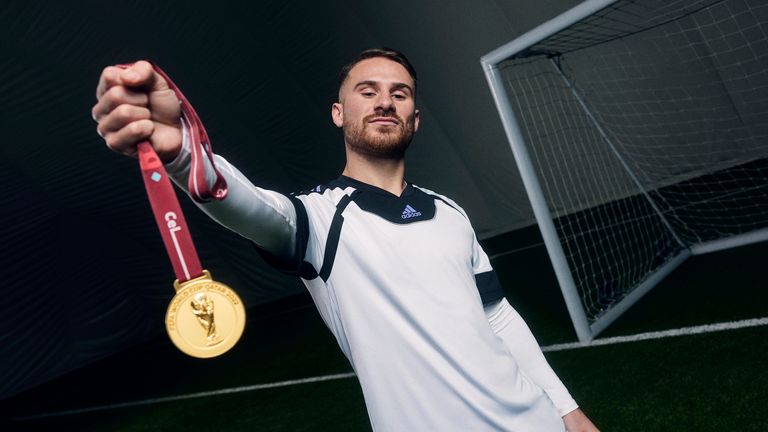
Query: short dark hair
{"x": 388, "y": 53}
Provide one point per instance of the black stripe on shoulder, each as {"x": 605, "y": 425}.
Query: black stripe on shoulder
{"x": 445, "y": 201}
{"x": 489, "y": 287}
{"x": 294, "y": 265}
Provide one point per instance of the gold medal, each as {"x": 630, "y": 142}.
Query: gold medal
{"x": 205, "y": 318}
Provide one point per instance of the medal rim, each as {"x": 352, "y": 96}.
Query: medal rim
{"x": 183, "y": 290}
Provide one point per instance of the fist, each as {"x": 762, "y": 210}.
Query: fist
{"x": 135, "y": 105}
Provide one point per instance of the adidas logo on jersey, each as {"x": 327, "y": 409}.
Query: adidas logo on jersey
{"x": 410, "y": 212}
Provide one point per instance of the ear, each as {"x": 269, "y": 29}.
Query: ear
{"x": 337, "y": 114}
{"x": 416, "y": 120}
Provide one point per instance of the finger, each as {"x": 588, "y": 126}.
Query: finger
{"x": 120, "y": 117}
{"x": 125, "y": 140}
{"x": 109, "y": 78}
{"x": 116, "y": 96}
{"x": 142, "y": 74}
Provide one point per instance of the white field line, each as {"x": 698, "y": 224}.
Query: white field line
{"x": 684, "y": 331}
{"x": 192, "y": 395}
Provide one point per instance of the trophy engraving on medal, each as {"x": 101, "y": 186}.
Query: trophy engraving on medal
{"x": 205, "y": 318}
{"x": 202, "y": 307}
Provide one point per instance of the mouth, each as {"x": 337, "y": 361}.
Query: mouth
{"x": 384, "y": 121}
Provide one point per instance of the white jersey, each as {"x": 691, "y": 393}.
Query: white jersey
{"x": 400, "y": 281}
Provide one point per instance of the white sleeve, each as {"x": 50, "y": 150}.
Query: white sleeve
{"x": 510, "y": 327}
{"x": 266, "y": 217}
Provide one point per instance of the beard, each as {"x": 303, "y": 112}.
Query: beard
{"x": 385, "y": 142}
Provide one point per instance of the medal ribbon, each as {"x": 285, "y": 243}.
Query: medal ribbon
{"x": 165, "y": 205}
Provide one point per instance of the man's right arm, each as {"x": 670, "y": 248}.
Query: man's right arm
{"x": 136, "y": 104}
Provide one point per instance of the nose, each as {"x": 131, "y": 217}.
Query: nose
{"x": 384, "y": 102}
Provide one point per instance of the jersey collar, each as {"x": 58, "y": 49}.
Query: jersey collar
{"x": 345, "y": 181}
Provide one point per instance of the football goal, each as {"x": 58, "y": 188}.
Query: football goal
{"x": 640, "y": 130}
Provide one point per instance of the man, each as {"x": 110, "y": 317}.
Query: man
{"x": 395, "y": 270}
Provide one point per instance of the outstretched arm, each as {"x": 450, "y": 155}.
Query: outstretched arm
{"x": 135, "y": 104}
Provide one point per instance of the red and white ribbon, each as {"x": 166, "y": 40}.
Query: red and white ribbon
{"x": 165, "y": 205}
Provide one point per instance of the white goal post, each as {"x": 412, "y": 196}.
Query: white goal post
{"x": 640, "y": 130}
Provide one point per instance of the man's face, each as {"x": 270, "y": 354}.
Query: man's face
{"x": 377, "y": 109}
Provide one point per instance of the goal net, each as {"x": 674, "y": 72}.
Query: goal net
{"x": 641, "y": 132}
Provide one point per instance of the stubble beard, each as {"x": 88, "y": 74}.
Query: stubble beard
{"x": 384, "y": 142}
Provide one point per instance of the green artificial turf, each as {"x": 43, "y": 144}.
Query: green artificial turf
{"x": 708, "y": 382}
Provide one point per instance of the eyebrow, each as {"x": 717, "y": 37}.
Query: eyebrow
{"x": 395, "y": 86}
